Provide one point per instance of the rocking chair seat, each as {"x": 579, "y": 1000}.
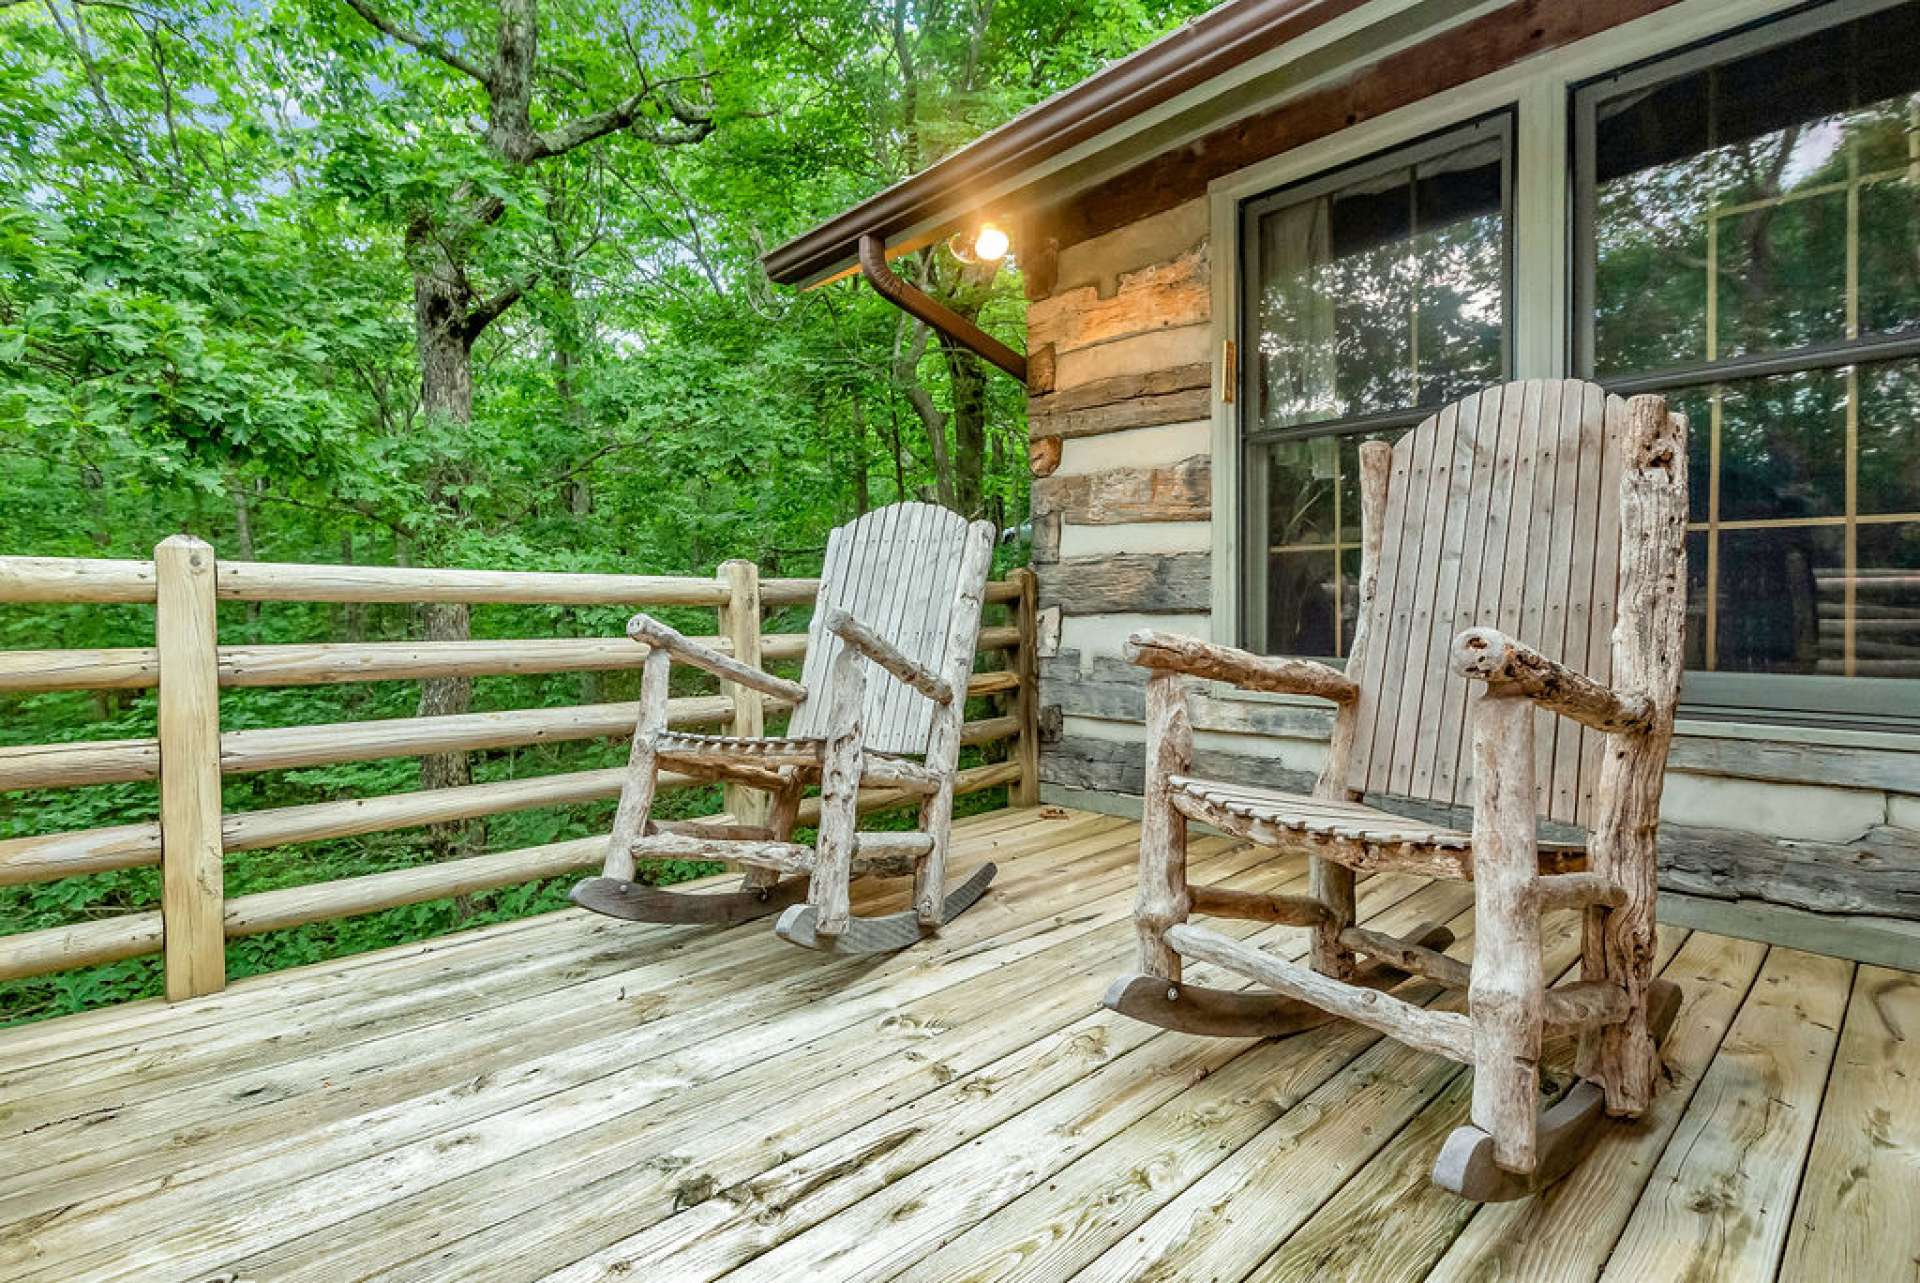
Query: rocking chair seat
{"x": 1353, "y": 834}
{"x": 751, "y": 746}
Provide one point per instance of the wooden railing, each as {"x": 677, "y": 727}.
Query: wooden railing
{"x": 191, "y": 754}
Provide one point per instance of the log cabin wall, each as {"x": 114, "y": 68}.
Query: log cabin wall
{"x": 1804, "y": 837}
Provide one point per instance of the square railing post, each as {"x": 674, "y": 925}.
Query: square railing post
{"x": 739, "y": 622}
{"x": 192, "y": 898}
{"x": 1026, "y": 704}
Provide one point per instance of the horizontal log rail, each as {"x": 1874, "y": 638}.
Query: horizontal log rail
{"x": 132, "y": 761}
{"x": 135, "y": 846}
{"x": 132, "y": 935}
{"x": 85, "y": 580}
{"x": 25, "y": 672}
{"x": 739, "y": 600}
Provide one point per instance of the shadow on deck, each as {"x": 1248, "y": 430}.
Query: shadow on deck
{"x": 590, "y": 1099}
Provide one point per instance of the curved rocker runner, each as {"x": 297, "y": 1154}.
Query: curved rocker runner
{"x": 901, "y": 591}
{"x": 1439, "y": 706}
{"x": 887, "y": 934}
{"x": 640, "y": 902}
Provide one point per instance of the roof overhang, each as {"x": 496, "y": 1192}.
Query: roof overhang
{"x": 1223, "y": 64}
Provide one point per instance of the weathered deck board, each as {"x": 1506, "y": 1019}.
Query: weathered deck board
{"x": 1566, "y": 1233}
{"x": 581, "y": 1099}
{"x": 1721, "y": 1198}
{"x": 1858, "y": 1216}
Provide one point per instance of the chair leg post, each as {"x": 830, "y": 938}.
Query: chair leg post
{"x": 1507, "y": 993}
{"x": 1617, "y": 946}
{"x": 781, "y": 816}
{"x": 1332, "y": 885}
{"x": 643, "y": 768}
{"x": 930, "y": 872}
{"x": 1162, "y": 900}
{"x": 1619, "y": 943}
{"x": 841, "y": 765}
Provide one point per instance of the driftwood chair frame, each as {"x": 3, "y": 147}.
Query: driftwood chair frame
{"x": 1543, "y": 509}
{"x": 902, "y": 590}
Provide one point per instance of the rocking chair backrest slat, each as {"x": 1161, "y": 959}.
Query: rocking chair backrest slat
{"x": 897, "y": 569}
{"x": 1503, "y": 510}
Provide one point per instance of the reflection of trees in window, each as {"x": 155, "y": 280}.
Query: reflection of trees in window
{"x": 1385, "y": 293}
{"x": 1769, "y": 205}
{"x": 1383, "y": 288}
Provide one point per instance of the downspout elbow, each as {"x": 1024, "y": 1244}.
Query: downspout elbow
{"x": 923, "y": 306}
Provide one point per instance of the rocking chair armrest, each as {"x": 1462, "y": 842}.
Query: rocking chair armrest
{"x": 883, "y": 653}
{"x": 1490, "y": 656}
{"x": 1171, "y": 652}
{"x": 649, "y": 631}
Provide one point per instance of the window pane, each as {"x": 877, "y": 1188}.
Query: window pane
{"x": 1313, "y": 513}
{"x": 1772, "y": 584}
{"x": 1761, "y": 204}
{"x": 1696, "y": 644}
{"x": 1890, "y": 246}
{"x": 1302, "y": 480}
{"x": 1890, "y": 437}
{"x": 1459, "y": 252}
{"x": 1886, "y": 625}
{"x": 1300, "y": 603}
{"x": 1765, "y": 204}
{"x": 1380, "y": 288}
{"x": 1782, "y": 275}
{"x": 1783, "y": 446}
{"x": 1779, "y": 553}
{"x": 1384, "y": 293}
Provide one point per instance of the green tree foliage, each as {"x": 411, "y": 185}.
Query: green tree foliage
{"x": 215, "y": 220}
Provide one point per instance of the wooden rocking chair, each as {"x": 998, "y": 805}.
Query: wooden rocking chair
{"x": 902, "y": 587}
{"x": 1547, "y": 511}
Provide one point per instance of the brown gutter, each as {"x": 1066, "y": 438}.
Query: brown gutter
{"x": 917, "y": 303}
{"x": 1209, "y": 46}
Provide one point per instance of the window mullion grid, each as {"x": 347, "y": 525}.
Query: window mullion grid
{"x": 1850, "y": 543}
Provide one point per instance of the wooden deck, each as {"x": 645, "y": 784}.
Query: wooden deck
{"x": 585, "y": 1099}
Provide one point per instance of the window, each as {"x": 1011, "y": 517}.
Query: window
{"x": 1371, "y": 295}
{"x": 1747, "y": 240}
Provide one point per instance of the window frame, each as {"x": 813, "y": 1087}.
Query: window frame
{"x": 1539, "y": 90}
{"x": 1814, "y": 699}
{"x": 1501, "y": 124}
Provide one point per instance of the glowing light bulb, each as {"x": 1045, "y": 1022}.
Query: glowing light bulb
{"x": 990, "y": 244}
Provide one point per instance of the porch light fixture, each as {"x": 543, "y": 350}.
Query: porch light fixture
{"x": 988, "y": 243}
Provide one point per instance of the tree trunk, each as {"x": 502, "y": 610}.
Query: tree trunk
{"x": 862, "y": 480}
{"x": 969, "y": 426}
{"x": 446, "y": 395}
{"x": 567, "y": 340}
{"x": 241, "y": 492}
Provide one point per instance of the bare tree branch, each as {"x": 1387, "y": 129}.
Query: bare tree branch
{"x": 627, "y": 113}
{"x": 424, "y": 43}
{"x": 488, "y": 311}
